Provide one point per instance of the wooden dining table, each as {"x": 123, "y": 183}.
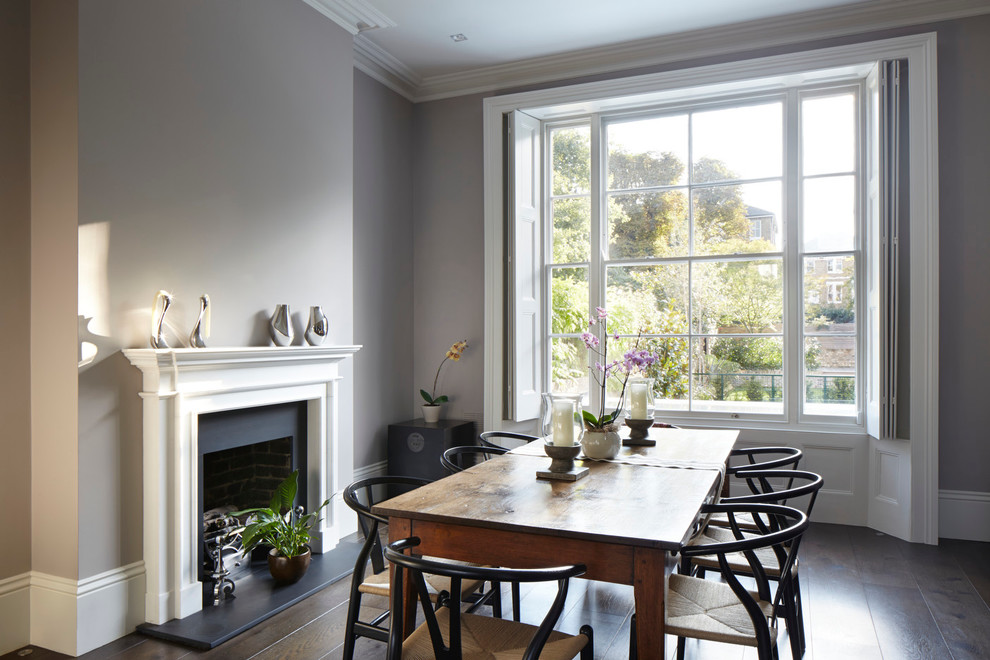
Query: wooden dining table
{"x": 623, "y": 520}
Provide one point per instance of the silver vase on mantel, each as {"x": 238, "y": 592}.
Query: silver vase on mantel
{"x": 201, "y": 331}
{"x": 280, "y": 326}
{"x": 318, "y": 327}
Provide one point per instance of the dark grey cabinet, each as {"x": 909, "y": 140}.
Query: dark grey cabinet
{"x": 414, "y": 447}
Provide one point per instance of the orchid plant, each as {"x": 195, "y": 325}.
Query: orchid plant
{"x": 454, "y": 355}
{"x": 632, "y": 361}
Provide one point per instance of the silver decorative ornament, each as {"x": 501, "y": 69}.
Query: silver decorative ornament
{"x": 280, "y": 326}
{"x": 163, "y": 299}
{"x": 201, "y": 331}
{"x": 318, "y": 327}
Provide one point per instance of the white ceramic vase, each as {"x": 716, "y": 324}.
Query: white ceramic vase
{"x": 600, "y": 444}
{"x": 431, "y": 414}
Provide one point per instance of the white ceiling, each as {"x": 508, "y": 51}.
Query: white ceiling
{"x": 406, "y": 44}
{"x": 512, "y": 30}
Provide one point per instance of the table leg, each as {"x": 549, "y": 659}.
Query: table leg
{"x": 650, "y": 573}
{"x": 401, "y": 528}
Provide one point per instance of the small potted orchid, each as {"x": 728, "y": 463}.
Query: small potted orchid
{"x": 601, "y": 437}
{"x": 431, "y": 409}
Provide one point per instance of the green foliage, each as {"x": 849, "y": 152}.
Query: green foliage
{"x": 433, "y": 401}
{"x": 750, "y": 353}
{"x": 571, "y": 161}
{"x": 833, "y": 313}
{"x": 279, "y": 526}
{"x": 812, "y": 354}
{"x": 844, "y": 389}
{"x": 755, "y": 390}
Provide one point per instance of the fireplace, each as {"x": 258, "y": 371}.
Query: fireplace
{"x": 244, "y": 455}
{"x": 182, "y": 389}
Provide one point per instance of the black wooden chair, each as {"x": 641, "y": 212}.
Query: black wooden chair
{"x": 505, "y": 439}
{"x": 457, "y": 459}
{"x": 361, "y": 496}
{"x": 449, "y": 634}
{"x": 757, "y": 458}
{"x": 727, "y": 611}
{"x": 798, "y": 489}
{"x": 764, "y": 458}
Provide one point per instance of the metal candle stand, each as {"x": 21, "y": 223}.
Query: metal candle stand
{"x": 639, "y": 429}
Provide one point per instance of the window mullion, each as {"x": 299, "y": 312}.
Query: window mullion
{"x": 596, "y": 275}
{"x": 793, "y": 268}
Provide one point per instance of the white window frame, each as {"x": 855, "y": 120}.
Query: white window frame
{"x": 794, "y": 410}
{"x": 920, "y": 53}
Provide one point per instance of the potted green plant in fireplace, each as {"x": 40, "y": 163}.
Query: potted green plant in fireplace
{"x": 285, "y": 529}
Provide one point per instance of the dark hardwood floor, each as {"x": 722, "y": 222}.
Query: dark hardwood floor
{"x": 866, "y": 596}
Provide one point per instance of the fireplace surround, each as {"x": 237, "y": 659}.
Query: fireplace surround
{"x": 179, "y": 385}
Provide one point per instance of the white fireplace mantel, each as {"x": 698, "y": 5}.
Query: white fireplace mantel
{"x": 181, "y": 384}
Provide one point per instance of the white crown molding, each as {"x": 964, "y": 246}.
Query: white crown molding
{"x": 353, "y": 15}
{"x": 778, "y": 31}
{"x": 380, "y": 65}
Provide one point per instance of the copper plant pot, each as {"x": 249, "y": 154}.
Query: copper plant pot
{"x": 287, "y": 570}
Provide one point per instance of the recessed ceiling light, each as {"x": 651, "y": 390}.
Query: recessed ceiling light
{"x": 458, "y": 37}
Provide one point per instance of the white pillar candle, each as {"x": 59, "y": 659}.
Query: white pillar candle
{"x": 563, "y": 423}
{"x": 637, "y": 400}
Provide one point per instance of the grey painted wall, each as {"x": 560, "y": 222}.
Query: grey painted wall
{"x": 448, "y": 198}
{"x": 449, "y": 207}
{"x": 15, "y": 291}
{"x": 215, "y": 143}
{"x": 964, "y": 237}
{"x": 383, "y": 265}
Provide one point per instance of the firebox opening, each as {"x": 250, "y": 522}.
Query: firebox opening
{"x": 243, "y": 455}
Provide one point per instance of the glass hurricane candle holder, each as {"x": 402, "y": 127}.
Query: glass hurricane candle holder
{"x": 565, "y": 419}
{"x": 641, "y": 404}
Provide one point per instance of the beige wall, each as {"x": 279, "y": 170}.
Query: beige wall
{"x": 215, "y": 156}
{"x": 54, "y": 214}
{"x": 15, "y": 292}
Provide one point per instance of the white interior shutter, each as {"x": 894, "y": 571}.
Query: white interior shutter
{"x": 872, "y": 251}
{"x": 883, "y": 272}
{"x": 525, "y": 263}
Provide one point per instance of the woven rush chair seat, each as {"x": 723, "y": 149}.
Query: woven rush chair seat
{"x": 449, "y": 633}
{"x": 745, "y": 521}
{"x": 736, "y": 560}
{"x": 377, "y": 584}
{"x": 487, "y": 638}
{"x": 709, "y": 610}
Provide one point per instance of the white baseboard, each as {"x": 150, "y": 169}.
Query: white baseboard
{"x": 379, "y": 469}
{"x": 74, "y": 617}
{"x": 964, "y": 514}
{"x": 110, "y": 605}
{"x": 15, "y": 607}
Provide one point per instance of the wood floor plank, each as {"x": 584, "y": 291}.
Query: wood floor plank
{"x": 314, "y": 640}
{"x": 835, "y": 603}
{"x": 880, "y": 559}
{"x": 973, "y": 559}
{"x": 905, "y": 626}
